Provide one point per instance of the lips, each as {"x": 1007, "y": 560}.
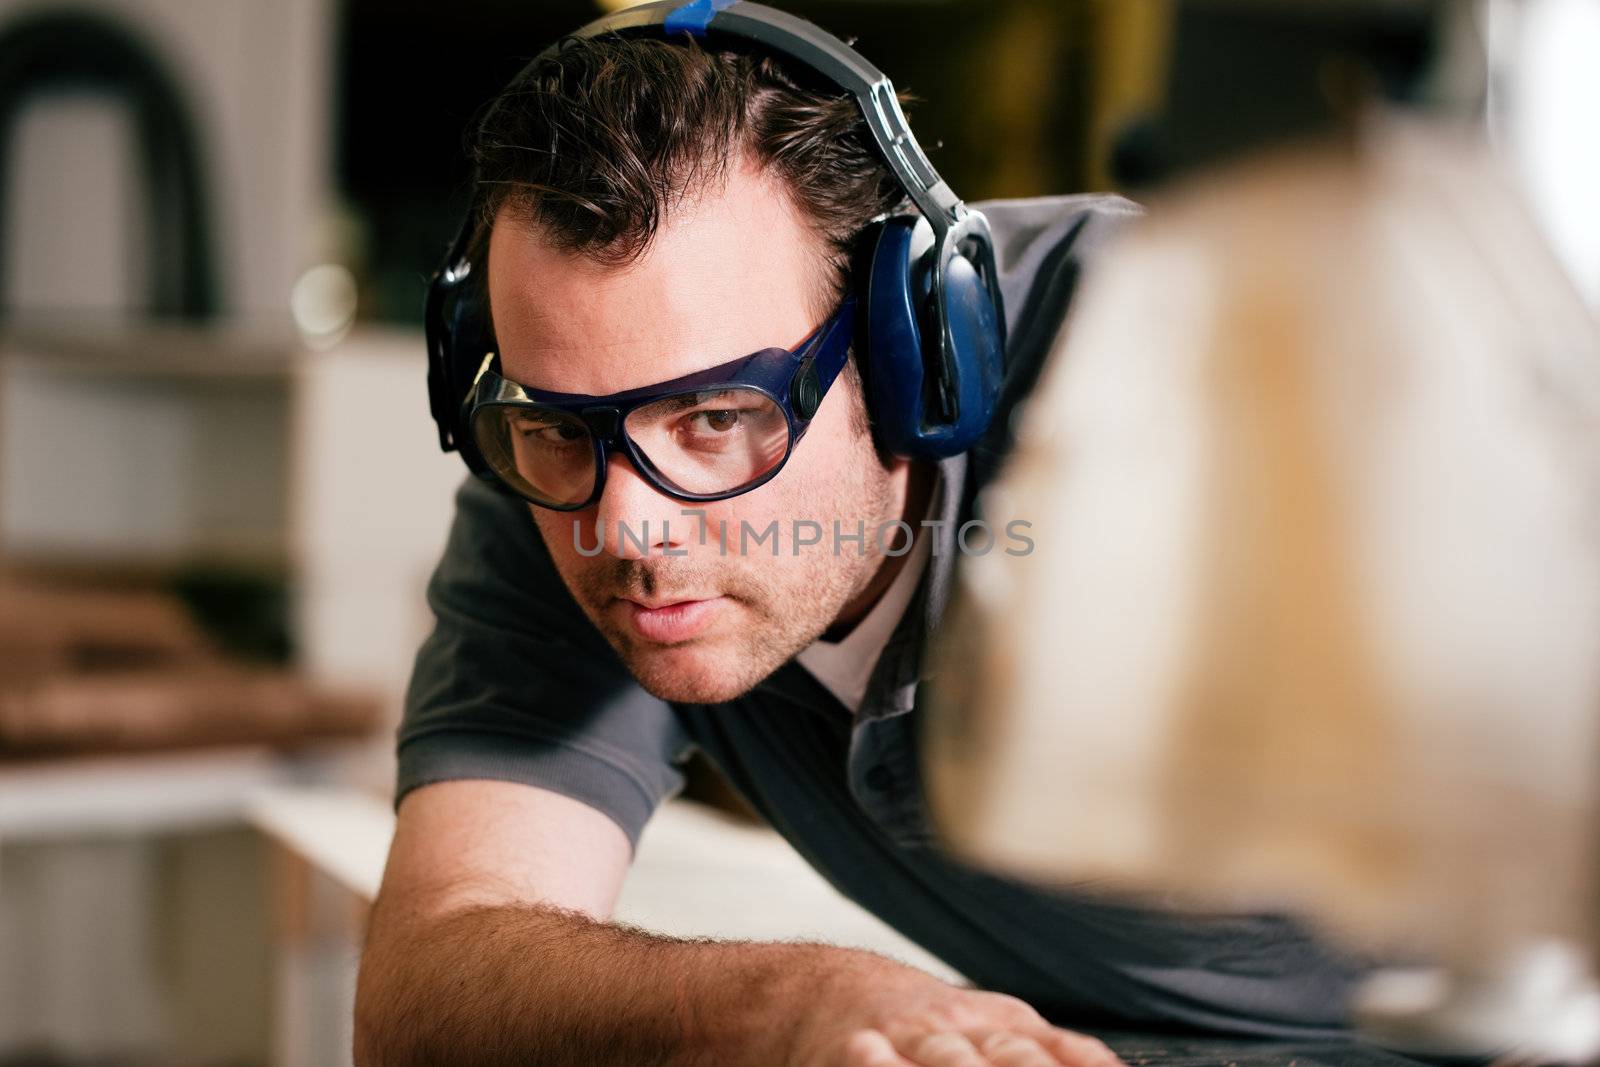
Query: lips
{"x": 665, "y": 602}
{"x": 671, "y": 622}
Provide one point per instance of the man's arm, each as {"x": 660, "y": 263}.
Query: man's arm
{"x": 488, "y": 945}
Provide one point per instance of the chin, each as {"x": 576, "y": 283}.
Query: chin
{"x": 690, "y": 675}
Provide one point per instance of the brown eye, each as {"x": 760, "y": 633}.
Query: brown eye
{"x": 547, "y": 432}
{"x": 714, "y": 421}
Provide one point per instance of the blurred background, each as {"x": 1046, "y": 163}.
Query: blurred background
{"x": 221, "y": 495}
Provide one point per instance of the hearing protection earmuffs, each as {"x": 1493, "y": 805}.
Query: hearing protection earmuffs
{"x": 934, "y": 329}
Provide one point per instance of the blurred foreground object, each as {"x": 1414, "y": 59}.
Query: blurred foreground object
{"x": 1313, "y": 618}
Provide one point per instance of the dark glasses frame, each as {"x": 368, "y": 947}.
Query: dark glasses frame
{"x": 795, "y": 380}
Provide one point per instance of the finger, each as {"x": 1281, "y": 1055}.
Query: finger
{"x": 1077, "y": 1050}
{"x": 1014, "y": 1013}
{"x": 944, "y": 1049}
{"x": 1007, "y": 1048}
{"x": 869, "y": 1048}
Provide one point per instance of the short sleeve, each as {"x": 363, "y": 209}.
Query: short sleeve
{"x": 515, "y": 684}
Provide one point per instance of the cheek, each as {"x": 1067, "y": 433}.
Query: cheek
{"x": 833, "y": 458}
{"x": 756, "y": 510}
{"x": 809, "y": 485}
{"x": 825, "y": 464}
{"x": 557, "y": 529}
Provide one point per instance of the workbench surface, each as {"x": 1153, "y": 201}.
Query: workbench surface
{"x": 1171, "y": 1051}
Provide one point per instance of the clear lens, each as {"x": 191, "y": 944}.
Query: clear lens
{"x": 714, "y": 441}
{"x": 544, "y": 454}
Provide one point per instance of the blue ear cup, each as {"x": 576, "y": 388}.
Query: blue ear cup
{"x": 924, "y": 405}
{"x": 459, "y": 339}
{"x": 891, "y": 364}
{"x": 977, "y": 364}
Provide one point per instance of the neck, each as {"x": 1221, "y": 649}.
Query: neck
{"x": 918, "y": 490}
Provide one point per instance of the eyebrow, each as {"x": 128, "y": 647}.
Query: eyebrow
{"x": 689, "y": 400}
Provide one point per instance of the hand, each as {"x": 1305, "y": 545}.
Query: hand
{"x": 876, "y": 1013}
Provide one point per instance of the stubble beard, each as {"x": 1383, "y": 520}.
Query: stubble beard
{"x": 779, "y": 606}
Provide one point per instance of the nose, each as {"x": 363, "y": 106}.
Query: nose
{"x": 634, "y": 519}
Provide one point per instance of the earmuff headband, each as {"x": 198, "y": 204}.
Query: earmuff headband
{"x": 810, "y": 46}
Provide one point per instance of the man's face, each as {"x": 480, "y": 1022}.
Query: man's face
{"x": 732, "y": 270}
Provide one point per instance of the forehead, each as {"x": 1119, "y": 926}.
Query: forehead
{"x": 730, "y": 271}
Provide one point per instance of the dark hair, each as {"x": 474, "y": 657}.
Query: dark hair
{"x": 595, "y": 143}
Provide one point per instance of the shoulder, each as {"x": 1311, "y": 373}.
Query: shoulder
{"x": 496, "y": 574}
{"x": 1031, "y": 233}
{"x": 1021, "y": 221}
{"x": 493, "y": 535}
{"x": 1043, "y": 245}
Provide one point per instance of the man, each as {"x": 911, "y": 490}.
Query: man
{"x": 653, "y": 209}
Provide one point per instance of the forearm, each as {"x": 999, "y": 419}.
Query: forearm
{"x": 524, "y": 985}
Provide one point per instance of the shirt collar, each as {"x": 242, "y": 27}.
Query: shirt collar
{"x": 893, "y": 687}
{"x": 846, "y": 666}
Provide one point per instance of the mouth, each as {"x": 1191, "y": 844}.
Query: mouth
{"x": 664, "y": 602}
{"x": 670, "y": 622}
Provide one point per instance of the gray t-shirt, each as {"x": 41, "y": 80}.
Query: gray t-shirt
{"x": 515, "y": 684}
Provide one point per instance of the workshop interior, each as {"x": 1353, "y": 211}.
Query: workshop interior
{"x": 1312, "y": 620}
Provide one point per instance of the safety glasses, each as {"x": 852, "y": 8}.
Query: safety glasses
{"x": 705, "y": 436}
